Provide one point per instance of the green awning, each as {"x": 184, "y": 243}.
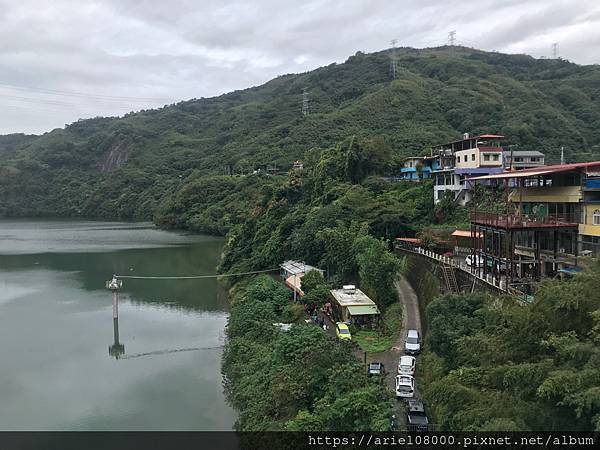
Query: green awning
{"x": 363, "y": 310}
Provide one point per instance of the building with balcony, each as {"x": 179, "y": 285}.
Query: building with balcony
{"x": 552, "y": 220}
{"x": 417, "y": 168}
{"x": 471, "y": 156}
{"x": 519, "y": 159}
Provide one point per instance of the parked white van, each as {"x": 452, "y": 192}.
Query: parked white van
{"x": 406, "y": 365}
{"x": 405, "y": 386}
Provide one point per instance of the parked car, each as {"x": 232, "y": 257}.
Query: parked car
{"x": 405, "y": 386}
{"x": 412, "y": 344}
{"x": 342, "y": 331}
{"x": 376, "y": 369}
{"x": 406, "y": 365}
{"x": 476, "y": 261}
{"x": 416, "y": 418}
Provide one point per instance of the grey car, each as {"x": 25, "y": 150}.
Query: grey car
{"x": 412, "y": 344}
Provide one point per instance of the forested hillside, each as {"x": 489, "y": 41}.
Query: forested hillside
{"x": 125, "y": 167}
{"x": 500, "y": 366}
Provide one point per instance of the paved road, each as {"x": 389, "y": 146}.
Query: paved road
{"x": 411, "y": 319}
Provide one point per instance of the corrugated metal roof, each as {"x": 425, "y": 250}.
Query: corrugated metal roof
{"x": 495, "y": 136}
{"x": 462, "y": 233}
{"x": 297, "y": 267}
{"x": 517, "y": 153}
{"x": 544, "y": 170}
{"x": 484, "y": 136}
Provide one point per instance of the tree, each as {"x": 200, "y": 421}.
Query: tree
{"x": 378, "y": 269}
{"x": 339, "y": 257}
{"x": 312, "y": 280}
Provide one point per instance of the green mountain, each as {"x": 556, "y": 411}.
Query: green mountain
{"x": 125, "y": 167}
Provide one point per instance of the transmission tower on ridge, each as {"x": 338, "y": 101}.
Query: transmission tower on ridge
{"x": 451, "y": 40}
{"x": 555, "y": 50}
{"x": 305, "y": 107}
{"x": 394, "y": 59}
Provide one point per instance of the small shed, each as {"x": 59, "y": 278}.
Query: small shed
{"x": 353, "y": 306}
{"x": 292, "y": 273}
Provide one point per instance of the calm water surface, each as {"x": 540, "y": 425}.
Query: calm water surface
{"x": 58, "y": 357}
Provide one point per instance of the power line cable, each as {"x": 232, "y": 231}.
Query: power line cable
{"x": 55, "y": 102}
{"x": 82, "y": 94}
{"x": 195, "y": 277}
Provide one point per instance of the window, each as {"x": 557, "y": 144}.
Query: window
{"x": 518, "y": 159}
{"x": 473, "y": 157}
{"x": 486, "y": 157}
{"x": 596, "y": 217}
{"x": 458, "y": 159}
{"x": 496, "y": 157}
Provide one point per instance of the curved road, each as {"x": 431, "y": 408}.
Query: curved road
{"x": 411, "y": 319}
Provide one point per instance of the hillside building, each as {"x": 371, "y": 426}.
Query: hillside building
{"x": 292, "y": 273}
{"x": 417, "y": 168}
{"x": 519, "y": 159}
{"x": 352, "y": 305}
{"x": 459, "y": 160}
{"x": 552, "y": 220}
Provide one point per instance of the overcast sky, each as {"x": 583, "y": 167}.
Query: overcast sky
{"x": 61, "y": 60}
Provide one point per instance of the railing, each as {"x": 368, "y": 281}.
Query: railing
{"x": 490, "y": 148}
{"x": 522, "y": 221}
{"x": 496, "y": 282}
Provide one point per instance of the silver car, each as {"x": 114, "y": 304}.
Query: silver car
{"x": 412, "y": 344}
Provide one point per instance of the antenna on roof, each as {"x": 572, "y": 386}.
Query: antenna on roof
{"x": 562, "y": 155}
{"x": 555, "y": 50}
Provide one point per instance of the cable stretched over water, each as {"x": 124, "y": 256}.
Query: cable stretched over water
{"x": 165, "y": 352}
{"x": 195, "y": 277}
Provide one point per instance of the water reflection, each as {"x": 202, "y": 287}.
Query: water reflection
{"x": 56, "y": 301}
{"x": 116, "y": 349}
{"x": 91, "y": 269}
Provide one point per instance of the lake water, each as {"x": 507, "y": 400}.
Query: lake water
{"x": 60, "y": 368}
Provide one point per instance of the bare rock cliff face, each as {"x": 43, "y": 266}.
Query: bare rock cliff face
{"x": 116, "y": 157}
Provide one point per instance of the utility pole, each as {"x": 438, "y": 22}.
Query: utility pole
{"x": 452, "y": 41}
{"x": 562, "y": 155}
{"x": 394, "y": 59}
{"x": 555, "y": 50}
{"x": 512, "y": 159}
{"x": 117, "y": 349}
{"x": 305, "y": 106}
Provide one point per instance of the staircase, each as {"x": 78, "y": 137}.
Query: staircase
{"x": 450, "y": 279}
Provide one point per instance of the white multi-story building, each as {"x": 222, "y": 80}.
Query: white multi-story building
{"x": 473, "y": 156}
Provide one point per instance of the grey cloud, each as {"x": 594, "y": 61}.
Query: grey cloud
{"x": 188, "y": 48}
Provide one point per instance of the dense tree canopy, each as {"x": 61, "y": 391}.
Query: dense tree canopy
{"x": 125, "y": 167}
{"x": 497, "y": 365}
{"x": 300, "y": 379}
